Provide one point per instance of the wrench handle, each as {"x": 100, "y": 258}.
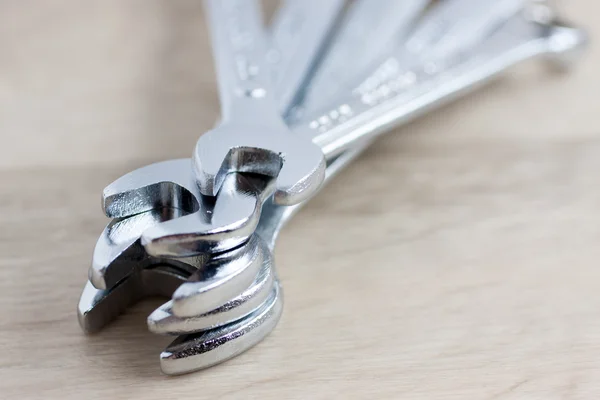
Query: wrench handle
{"x": 300, "y": 30}
{"x": 364, "y": 115}
{"x": 239, "y": 45}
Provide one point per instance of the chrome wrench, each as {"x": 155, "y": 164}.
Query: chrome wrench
{"x": 122, "y": 272}
{"x": 387, "y": 110}
{"x": 555, "y": 49}
{"x": 119, "y": 253}
{"x": 199, "y": 350}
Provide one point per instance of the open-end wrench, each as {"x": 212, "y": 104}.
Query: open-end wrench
{"x": 252, "y": 136}
{"x": 566, "y": 46}
{"x": 389, "y": 108}
{"x": 190, "y": 352}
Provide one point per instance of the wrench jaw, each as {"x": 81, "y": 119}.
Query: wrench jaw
{"x": 98, "y": 307}
{"x": 223, "y": 277}
{"x": 565, "y": 43}
{"x": 228, "y": 328}
{"x": 203, "y": 225}
{"x": 294, "y": 185}
{"x": 229, "y": 322}
{"x": 122, "y": 273}
{"x": 231, "y": 219}
{"x": 225, "y": 305}
{"x": 297, "y": 164}
{"x": 167, "y": 184}
{"x": 164, "y": 321}
{"x": 201, "y": 350}
{"x": 118, "y": 252}
{"x": 207, "y": 291}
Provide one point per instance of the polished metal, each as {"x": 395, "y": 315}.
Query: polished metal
{"x": 123, "y": 271}
{"x": 204, "y": 349}
{"x": 366, "y": 33}
{"x": 225, "y": 296}
{"x": 252, "y": 137}
{"x": 378, "y": 103}
{"x": 273, "y": 218}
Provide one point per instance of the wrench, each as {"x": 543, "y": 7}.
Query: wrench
{"x": 562, "y": 39}
{"x": 190, "y": 353}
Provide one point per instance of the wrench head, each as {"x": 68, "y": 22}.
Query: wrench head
{"x": 119, "y": 252}
{"x": 201, "y": 350}
{"x": 297, "y": 163}
{"x": 166, "y": 184}
{"x": 224, "y": 277}
{"x": 233, "y": 299}
{"x": 203, "y": 225}
{"x": 164, "y": 321}
{"x": 221, "y": 223}
{"x": 98, "y": 307}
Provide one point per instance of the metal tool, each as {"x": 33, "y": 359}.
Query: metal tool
{"x": 369, "y": 107}
{"x": 245, "y": 320}
{"x": 190, "y": 352}
{"x": 122, "y": 272}
{"x": 514, "y": 42}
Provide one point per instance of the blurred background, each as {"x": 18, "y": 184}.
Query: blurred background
{"x": 457, "y": 258}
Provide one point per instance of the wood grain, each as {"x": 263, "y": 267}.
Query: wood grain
{"x": 457, "y": 259}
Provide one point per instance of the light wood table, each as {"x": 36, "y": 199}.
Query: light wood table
{"x": 457, "y": 259}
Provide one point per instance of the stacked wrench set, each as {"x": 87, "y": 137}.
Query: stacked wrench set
{"x": 300, "y": 99}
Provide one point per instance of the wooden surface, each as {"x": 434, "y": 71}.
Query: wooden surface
{"x": 457, "y": 259}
